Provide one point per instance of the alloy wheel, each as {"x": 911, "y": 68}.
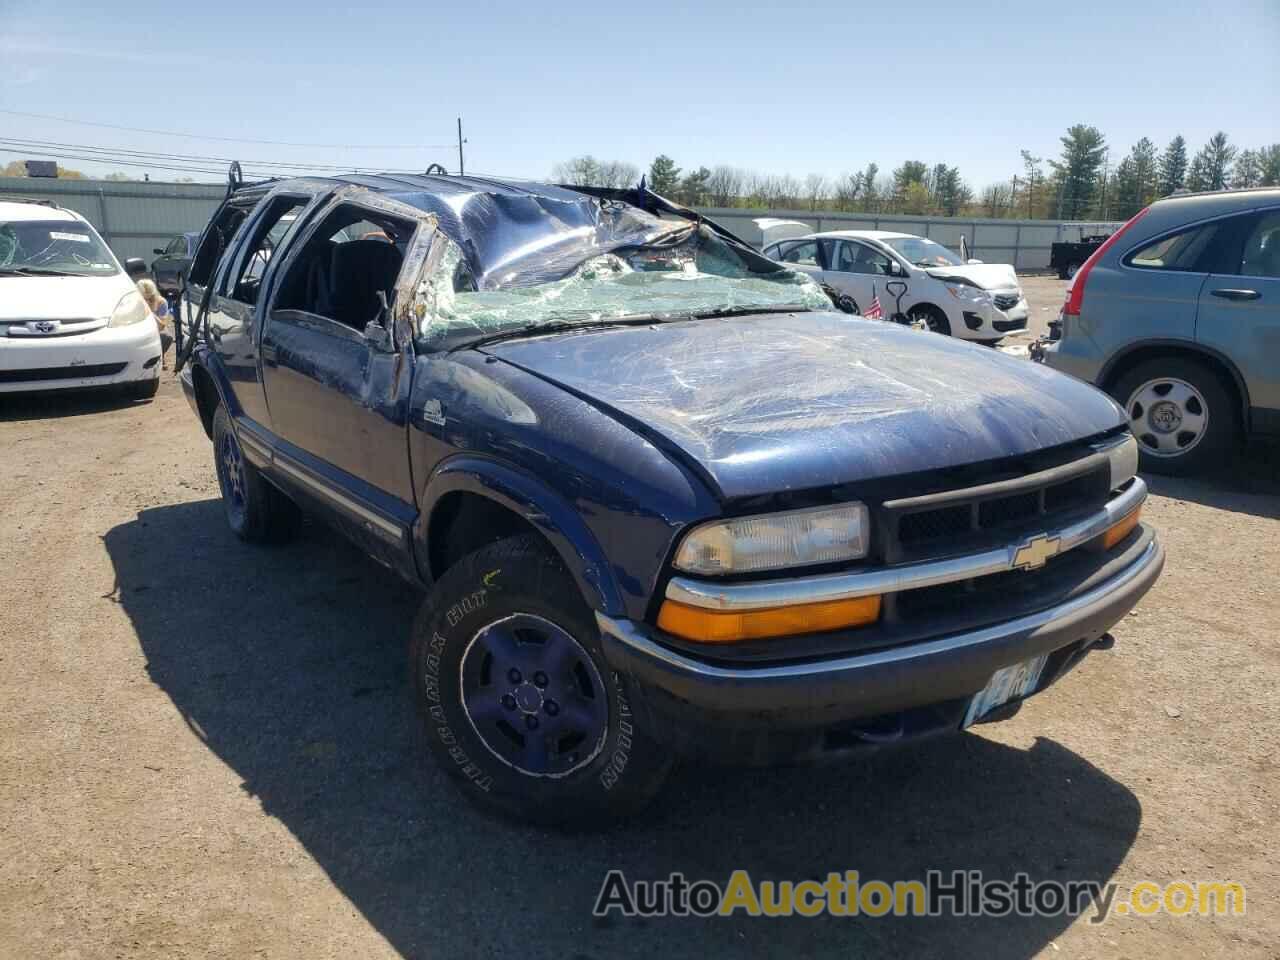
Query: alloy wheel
{"x": 534, "y": 697}
{"x": 1168, "y": 416}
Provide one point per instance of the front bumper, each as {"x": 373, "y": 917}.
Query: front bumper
{"x": 100, "y": 358}
{"x": 786, "y": 711}
{"x": 986, "y": 321}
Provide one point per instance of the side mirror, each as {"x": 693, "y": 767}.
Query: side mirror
{"x": 136, "y": 268}
{"x": 157, "y": 251}
{"x": 895, "y": 268}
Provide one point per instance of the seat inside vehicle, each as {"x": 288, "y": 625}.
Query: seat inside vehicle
{"x": 358, "y": 271}
{"x": 344, "y": 266}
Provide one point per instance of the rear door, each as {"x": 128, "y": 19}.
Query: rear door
{"x": 1239, "y": 313}
{"x": 238, "y": 285}
{"x": 857, "y": 269}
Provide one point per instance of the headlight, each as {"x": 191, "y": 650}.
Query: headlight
{"x": 967, "y": 292}
{"x": 131, "y": 309}
{"x": 795, "y": 538}
{"x": 1124, "y": 460}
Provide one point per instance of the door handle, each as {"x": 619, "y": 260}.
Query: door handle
{"x": 1237, "y": 294}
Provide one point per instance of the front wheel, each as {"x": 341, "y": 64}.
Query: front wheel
{"x": 517, "y": 702}
{"x": 1182, "y": 415}
{"x": 929, "y": 318}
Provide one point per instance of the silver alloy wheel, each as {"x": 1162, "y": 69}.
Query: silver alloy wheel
{"x": 1168, "y": 416}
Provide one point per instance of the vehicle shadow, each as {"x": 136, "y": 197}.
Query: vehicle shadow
{"x": 55, "y": 405}
{"x": 289, "y": 663}
{"x": 1248, "y": 482}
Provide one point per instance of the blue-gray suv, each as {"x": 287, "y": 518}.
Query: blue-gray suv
{"x": 1177, "y": 316}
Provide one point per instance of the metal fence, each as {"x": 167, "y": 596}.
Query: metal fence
{"x": 136, "y": 217}
{"x": 1023, "y": 243}
{"x": 133, "y": 217}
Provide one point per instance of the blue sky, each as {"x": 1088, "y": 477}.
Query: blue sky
{"x": 780, "y": 88}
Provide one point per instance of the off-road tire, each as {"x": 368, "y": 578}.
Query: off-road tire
{"x": 1223, "y": 422}
{"x": 261, "y": 513}
{"x": 617, "y": 774}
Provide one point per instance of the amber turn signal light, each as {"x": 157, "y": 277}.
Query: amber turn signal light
{"x": 1119, "y": 531}
{"x": 722, "y": 626}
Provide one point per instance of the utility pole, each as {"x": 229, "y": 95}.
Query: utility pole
{"x": 462, "y": 169}
{"x": 1106, "y": 166}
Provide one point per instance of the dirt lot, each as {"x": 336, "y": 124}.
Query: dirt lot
{"x": 206, "y": 749}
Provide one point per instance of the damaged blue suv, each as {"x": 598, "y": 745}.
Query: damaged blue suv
{"x": 661, "y": 498}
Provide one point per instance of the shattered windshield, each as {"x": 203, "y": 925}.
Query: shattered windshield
{"x": 54, "y": 247}
{"x": 693, "y": 274}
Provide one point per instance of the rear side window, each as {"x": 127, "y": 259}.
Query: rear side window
{"x": 216, "y": 241}
{"x": 1262, "y": 248}
{"x": 1177, "y": 251}
{"x": 805, "y": 253}
{"x": 272, "y": 230}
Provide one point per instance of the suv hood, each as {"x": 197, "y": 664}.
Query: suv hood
{"x": 989, "y": 276}
{"x": 774, "y": 402}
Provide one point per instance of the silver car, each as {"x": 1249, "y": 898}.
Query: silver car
{"x": 1177, "y": 316}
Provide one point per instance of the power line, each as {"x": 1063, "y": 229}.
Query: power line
{"x": 115, "y": 153}
{"x": 202, "y": 136}
{"x": 141, "y": 163}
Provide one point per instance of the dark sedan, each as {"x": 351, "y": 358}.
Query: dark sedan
{"x": 170, "y": 266}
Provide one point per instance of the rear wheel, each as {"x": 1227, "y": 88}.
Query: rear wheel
{"x": 256, "y": 511}
{"x": 1071, "y": 271}
{"x": 517, "y": 702}
{"x": 1181, "y": 413}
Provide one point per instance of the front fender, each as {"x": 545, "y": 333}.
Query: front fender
{"x": 526, "y": 496}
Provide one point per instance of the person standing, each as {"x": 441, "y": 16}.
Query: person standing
{"x": 159, "y": 307}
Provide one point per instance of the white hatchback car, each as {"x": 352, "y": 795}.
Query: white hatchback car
{"x": 970, "y": 300}
{"x": 70, "y": 317}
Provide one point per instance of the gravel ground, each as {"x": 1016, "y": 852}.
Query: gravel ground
{"x": 207, "y": 750}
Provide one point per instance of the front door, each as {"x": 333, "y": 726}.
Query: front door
{"x": 1239, "y": 314}
{"x": 336, "y": 386}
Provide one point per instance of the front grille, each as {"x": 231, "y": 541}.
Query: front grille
{"x": 1006, "y": 301}
{"x": 965, "y": 521}
{"x": 61, "y": 373}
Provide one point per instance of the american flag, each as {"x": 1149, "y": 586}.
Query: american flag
{"x": 874, "y": 312}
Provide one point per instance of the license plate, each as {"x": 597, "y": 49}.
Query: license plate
{"x": 1009, "y": 683}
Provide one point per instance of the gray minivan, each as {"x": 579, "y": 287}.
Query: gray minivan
{"x": 1177, "y": 316}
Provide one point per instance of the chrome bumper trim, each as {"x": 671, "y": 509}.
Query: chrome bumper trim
{"x": 626, "y": 632}
{"x": 763, "y": 594}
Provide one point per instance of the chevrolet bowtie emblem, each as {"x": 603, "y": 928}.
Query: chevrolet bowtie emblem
{"x": 1036, "y": 552}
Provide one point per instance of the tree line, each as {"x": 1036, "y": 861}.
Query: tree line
{"x": 1081, "y": 183}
